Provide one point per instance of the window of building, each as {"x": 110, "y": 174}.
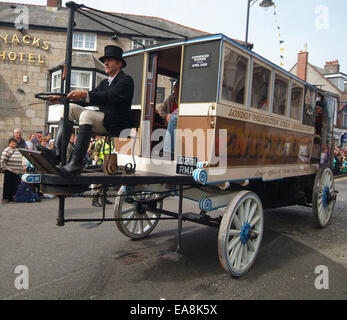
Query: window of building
{"x": 56, "y": 81}
{"x": 260, "y": 87}
{"x": 234, "y": 76}
{"x": 81, "y": 80}
{"x": 280, "y": 95}
{"x": 345, "y": 117}
{"x": 84, "y": 41}
{"x": 296, "y": 103}
{"x": 145, "y": 42}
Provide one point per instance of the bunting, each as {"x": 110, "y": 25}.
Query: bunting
{"x": 281, "y": 42}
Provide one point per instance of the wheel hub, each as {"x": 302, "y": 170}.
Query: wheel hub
{"x": 245, "y": 233}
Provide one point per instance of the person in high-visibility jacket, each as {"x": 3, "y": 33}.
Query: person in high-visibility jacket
{"x": 101, "y": 148}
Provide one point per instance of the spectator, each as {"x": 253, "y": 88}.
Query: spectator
{"x": 29, "y": 142}
{"x": 51, "y": 144}
{"x": 17, "y": 135}
{"x": 43, "y": 141}
{"x": 38, "y": 136}
{"x": 12, "y": 165}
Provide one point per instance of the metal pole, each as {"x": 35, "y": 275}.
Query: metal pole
{"x": 68, "y": 61}
{"x": 247, "y": 22}
{"x": 61, "y": 218}
{"x": 180, "y": 216}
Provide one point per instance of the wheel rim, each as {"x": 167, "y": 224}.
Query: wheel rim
{"x": 130, "y": 208}
{"x": 325, "y": 197}
{"x": 243, "y": 235}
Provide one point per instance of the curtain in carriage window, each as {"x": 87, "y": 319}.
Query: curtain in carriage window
{"x": 235, "y": 74}
{"x": 280, "y": 95}
{"x": 260, "y": 87}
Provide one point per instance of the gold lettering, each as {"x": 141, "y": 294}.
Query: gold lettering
{"x": 21, "y": 54}
{"x": 12, "y": 56}
{"x": 3, "y": 55}
{"x": 36, "y": 41}
{"x": 25, "y": 39}
{"x": 31, "y": 57}
{"x": 4, "y": 37}
{"x": 45, "y": 45}
{"x": 40, "y": 59}
{"x": 15, "y": 39}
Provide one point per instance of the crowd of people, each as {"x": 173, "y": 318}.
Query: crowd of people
{"x": 340, "y": 161}
{"x": 14, "y": 165}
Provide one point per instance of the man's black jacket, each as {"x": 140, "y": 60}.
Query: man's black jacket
{"x": 115, "y": 101}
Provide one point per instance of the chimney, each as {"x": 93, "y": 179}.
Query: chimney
{"x": 332, "y": 66}
{"x": 301, "y": 70}
{"x": 54, "y": 3}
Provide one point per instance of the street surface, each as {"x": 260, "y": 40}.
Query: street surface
{"x": 77, "y": 262}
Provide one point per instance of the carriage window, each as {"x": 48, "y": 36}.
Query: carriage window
{"x": 260, "y": 87}
{"x": 280, "y": 95}
{"x": 296, "y": 102}
{"x": 309, "y": 107}
{"x": 234, "y": 80}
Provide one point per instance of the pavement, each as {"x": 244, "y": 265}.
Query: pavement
{"x": 76, "y": 262}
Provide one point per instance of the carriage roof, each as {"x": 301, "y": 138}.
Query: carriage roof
{"x": 219, "y": 38}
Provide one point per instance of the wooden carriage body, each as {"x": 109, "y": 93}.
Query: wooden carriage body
{"x": 240, "y": 116}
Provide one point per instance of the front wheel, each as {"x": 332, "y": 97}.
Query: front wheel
{"x": 133, "y": 207}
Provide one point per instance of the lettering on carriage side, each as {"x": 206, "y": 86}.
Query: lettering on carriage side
{"x": 253, "y": 142}
{"x": 253, "y": 117}
{"x": 200, "y": 61}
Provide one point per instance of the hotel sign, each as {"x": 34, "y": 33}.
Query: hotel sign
{"x": 26, "y": 40}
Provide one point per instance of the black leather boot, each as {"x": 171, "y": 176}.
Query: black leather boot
{"x": 54, "y": 155}
{"x": 74, "y": 167}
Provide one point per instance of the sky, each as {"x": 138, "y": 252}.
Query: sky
{"x": 318, "y": 23}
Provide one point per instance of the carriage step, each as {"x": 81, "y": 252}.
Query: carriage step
{"x": 195, "y": 217}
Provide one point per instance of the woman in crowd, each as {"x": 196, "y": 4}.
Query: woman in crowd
{"x": 12, "y": 166}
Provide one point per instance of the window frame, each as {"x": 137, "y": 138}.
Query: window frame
{"x": 265, "y": 66}
{"x": 281, "y": 74}
{"x": 53, "y": 74}
{"x": 135, "y": 46}
{"x": 90, "y": 80}
{"x": 245, "y": 55}
{"x": 344, "y": 119}
{"x": 292, "y": 82}
{"x": 84, "y": 41}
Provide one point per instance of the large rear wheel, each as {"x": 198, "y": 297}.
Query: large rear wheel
{"x": 240, "y": 233}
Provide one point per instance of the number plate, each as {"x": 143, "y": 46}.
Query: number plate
{"x": 186, "y": 165}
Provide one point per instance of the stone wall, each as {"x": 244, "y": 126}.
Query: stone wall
{"x": 25, "y": 61}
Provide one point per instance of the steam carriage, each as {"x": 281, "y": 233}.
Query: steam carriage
{"x": 248, "y": 139}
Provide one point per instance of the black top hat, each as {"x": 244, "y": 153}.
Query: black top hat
{"x": 114, "y": 52}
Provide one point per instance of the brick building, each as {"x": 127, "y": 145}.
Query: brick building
{"x": 331, "y": 79}
{"x": 32, "y": 58}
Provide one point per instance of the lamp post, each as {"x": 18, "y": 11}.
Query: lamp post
{"x": 263, "y": 4}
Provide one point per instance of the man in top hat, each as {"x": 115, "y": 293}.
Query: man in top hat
{"x": 113, "y": 96}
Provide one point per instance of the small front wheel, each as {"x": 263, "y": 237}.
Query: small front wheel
{"x": 133, "y": 207}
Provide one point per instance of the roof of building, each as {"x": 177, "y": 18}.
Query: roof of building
{"x": 44, "y": 17}
{"x": 81, "y": 60}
